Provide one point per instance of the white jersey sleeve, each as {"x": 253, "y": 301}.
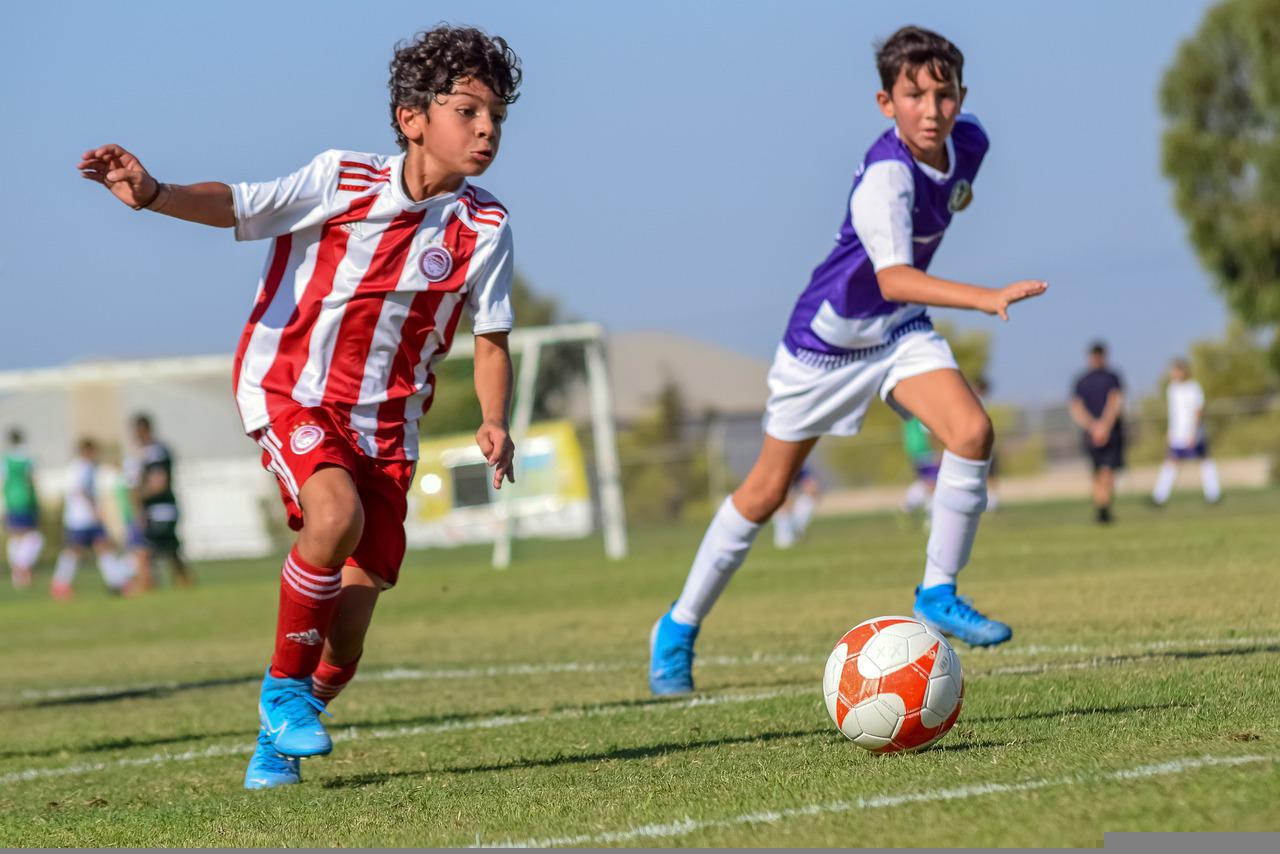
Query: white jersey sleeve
{"x": 1195, "y": 394}
{"x": 881, "y": 213}
{"x": 303, "y": 199}
{"x": 489, "y": 277}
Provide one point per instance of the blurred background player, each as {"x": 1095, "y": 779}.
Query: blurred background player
{"x": 149, "y": 474}
{"x": 21, "y": 511}
{"x": 335, "y": 366}
{"x": 860, "y": 329}
{"x": 792, "y": 519}
{"x": 1096, "y": 407}
{"x": 923, "y": 457}
{"x": 1187, "y": 439}
{"x": 83, "y": 528}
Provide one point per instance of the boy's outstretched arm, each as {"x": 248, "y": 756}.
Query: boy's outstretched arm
{"x": 493, "y": 388}
{"x": 904, "y": 283}
{"x": 129, "y": 181}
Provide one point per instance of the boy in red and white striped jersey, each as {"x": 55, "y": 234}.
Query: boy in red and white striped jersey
{"x": 373, "y": 258}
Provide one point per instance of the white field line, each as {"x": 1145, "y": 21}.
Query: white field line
{"x": 398, "y": 674}
{"x": 684, "y": 826}
{"x": 499, "y": 721}
{"x": 356, "y": 734}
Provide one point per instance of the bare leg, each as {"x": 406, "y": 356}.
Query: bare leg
{"x": 949, "y": 408}
{"x": 734, "y": 527}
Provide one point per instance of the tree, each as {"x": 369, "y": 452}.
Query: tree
{"x": 664, "y": 468}
{"x": 972, "y": 349}
{"x": 1221, "y": 100}
{"x": 458, "y": 410}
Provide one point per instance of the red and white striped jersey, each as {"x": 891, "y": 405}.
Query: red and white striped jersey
{"x": 362, "y": 292}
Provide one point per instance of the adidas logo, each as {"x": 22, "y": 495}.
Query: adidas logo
{"x": 310, "y": 637}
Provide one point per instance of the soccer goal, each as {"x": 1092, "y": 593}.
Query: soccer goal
{"x": 230, "y": 507}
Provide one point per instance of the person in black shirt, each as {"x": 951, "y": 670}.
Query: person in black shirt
{"x": 156, "y": 505}
{"x": 1095, "y": 407}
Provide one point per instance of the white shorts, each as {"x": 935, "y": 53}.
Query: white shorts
{"x": 806, "y": 401}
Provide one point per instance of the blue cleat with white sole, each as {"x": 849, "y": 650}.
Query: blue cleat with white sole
{"x": 268, "y": 769}
{"x": 291, "y": 717}
{"x": 671, "y": 657}
{"x": 939, "y": 608}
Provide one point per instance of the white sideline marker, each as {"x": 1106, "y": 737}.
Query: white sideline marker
{"x": 498, "y": 721}
{"x": 246, "y": 747}
{"x": 397, "y": 674}
{"x": 684, "y": 826}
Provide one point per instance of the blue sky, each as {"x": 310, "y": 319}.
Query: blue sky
{"x": 671, "y": 165}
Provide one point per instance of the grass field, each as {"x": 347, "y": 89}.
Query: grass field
{"x": 1141, "y": 692}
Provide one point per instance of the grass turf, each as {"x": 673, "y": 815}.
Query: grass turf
{"x": 1141, "y": 692}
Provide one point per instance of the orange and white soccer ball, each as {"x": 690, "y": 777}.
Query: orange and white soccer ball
{"x": 892, "y": 684}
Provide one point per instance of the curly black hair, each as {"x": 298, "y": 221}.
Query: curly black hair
{"x": 429, "y": 65}
{"x": 913, "y": 48}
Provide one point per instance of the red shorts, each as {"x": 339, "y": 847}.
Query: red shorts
{"x": 295, "y": 445}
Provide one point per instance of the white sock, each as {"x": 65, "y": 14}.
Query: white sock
{"x": 724, "y": 548}
{"x": 802, "y": 512}
{"x": 32, "y": 545}
{"x": 958, "y": 502}
{"x": 917, "y": 496}
{"x": 1164, "y": 482}
{"x": 1209, "y": 480}
{"x": 65, "y": 571}
{"x": 115, "y": 570}
{"x": 784, "y": 529}
{"x": 993, "y": 500}
{"x": 14, "y": 549}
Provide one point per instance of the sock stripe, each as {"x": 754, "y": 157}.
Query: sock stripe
{"x": 322, "y": 579}
{"x": 309, "y": 590}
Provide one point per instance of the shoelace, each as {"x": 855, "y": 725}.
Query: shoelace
{"x": 298, "y": 706}
{"x": 675, "y": 665}
{"x": 964, "y": 610}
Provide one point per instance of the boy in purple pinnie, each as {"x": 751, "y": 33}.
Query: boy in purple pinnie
{"x": 861, "y": 329}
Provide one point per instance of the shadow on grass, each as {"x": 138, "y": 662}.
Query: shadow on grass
{"x": 620, "y": 753}
{"x": 126, "y": 743}
{"x": 626, "y": 753}
{"x": 166, "y": 689}
{"x": 1051, "y": 714}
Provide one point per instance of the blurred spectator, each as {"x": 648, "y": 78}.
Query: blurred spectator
{"x": 82, "y": 519}
{"x": 22, "y": 511}
{"x": 1095, "y": 407}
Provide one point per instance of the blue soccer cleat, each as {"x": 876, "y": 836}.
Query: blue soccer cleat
{"x": 268, "y": 769}
{"x": 671, "y": 657}
{"x": 291, "y": 717}
{"x": 939, "y": 608}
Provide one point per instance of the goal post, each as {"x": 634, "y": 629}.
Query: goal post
{"x": 529, "y": 344}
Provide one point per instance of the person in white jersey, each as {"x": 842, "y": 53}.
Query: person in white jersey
{"x": 1187, "y": 439}
{"x": 83, "y": 528}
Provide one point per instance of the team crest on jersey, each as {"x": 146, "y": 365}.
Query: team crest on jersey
{"x": 305, "y": 437}
{"x": 961, "y": 195}
{"x": 435, "y": 263}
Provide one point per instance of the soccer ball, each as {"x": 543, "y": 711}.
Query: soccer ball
{"x": 892, "y": 683}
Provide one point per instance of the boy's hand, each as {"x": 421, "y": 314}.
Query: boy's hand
{"x": 499, "y": 451}
{"x": 1099, "y": 434}
{"x": 121, "y": 173}
{"x": 999, "y": 301}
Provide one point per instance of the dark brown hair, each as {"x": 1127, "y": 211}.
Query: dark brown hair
{"x": 913, "y": 48}
{"x": 428, "y": 66}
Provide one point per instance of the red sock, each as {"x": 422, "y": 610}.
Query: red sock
{"x": 308, "y": 598}
{"x": 329, "y": 679}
